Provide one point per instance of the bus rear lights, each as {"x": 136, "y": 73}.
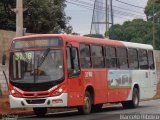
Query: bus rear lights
{"x": 56, "y": 101}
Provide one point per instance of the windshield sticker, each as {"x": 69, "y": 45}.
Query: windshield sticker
{"x": 23, "y": 56}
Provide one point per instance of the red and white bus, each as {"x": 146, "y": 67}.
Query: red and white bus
{"x": 56, "y": 70}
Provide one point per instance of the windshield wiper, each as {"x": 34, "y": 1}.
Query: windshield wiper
{"x": 40, "y": 62}
{"x": 42, "y": 59}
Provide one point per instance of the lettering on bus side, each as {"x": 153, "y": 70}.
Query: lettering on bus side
{"x": 88, "y": 74}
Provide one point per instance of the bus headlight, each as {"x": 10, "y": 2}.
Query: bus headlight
{"x": 58, "y": 91}
{"x": 15, "y": 93}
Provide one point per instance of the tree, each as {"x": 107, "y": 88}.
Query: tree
{"x": 153, "y": 10}
{"x": 40, "y": 16}
{"x": 94, "y": 35}
{"x": 7, "y": 16}
{"x": 138, "y": 31}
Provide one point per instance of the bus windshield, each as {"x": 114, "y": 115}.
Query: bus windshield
{"x": 36, "y": 66}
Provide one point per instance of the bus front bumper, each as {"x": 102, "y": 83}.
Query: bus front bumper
{"x": 56, "y": 101}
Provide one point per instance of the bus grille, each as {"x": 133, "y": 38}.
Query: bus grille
{"x": 38, "y": 101}
{"x": 31, "y": 95}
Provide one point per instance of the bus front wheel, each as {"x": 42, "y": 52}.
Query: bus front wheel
{"x": 40, "y": 112}
{"x": 86, "y": 108}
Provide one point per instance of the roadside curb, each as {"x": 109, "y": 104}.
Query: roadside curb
{"x": 15, "y": 115}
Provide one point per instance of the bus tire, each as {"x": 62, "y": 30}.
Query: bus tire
{"x": 86, "y": 108}
{"x": 134, "y": 103}
{"x": 135, "y": 98}
{"x": 40, "y": 112}
{"x": 97, "y": 107}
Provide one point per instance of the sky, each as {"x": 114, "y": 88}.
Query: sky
{"x": 81, "y": 12}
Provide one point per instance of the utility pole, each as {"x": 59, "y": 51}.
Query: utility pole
{"x": 111, "y": 12}
{"x": 153, "y": 25}
{"x": 107, "y": 16}
{"x": 93, "y": 17}
{"x": 19, "y": 18}
{"x": 158, "y": 28}
{"x": 111, "y": 4}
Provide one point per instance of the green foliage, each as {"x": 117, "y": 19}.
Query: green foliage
{"x": 40, "y": 16}
{"x": 138, "y": 31}
{"x": 94, "y": 35}
{"x": 152, "y": 8}
{"x": 7, "y": 16}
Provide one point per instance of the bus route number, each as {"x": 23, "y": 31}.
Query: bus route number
{"x": 88, "y": 74}
{"x": 23, "y": 56}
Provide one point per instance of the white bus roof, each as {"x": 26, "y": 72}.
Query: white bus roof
{"x": 137, "y": 45}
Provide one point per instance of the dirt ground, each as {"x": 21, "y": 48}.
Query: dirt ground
{"x": 6, "y": 110}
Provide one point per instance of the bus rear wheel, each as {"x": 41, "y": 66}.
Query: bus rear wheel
{"x": 86, "y": 108}
{"x": 134, "y": 103}
{"x": 40, "y": 112}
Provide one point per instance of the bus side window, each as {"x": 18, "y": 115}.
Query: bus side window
{"x": 85, "y": 56}
{"x": 111, "y": 59}
{"x": 122, "y": 58}
{"x": 143, "y": 59}
{"x": 133, "y": 58}
{"x": 151, "y": 60}
{"x": 97, "y": 56}
{"x": 108, "y": 57}
{"x": 73, "y": 62}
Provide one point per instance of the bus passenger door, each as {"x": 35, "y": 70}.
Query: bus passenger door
{"x": 74, "y": 81}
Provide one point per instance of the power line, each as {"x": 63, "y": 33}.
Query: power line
{"x": 128, "y": 9}
{"x": 80, "y": 5}
{"x": 91, "y": 8}
{"x": 101, "y": 8}
{"x": 129, "y": 4}
{"x": 120, "y": 7}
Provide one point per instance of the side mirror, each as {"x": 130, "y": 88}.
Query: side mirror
{"x": 4, "y": 59}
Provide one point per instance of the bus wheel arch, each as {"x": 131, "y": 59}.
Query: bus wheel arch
{"x": 136, "y": 86}
{"x": 88, "y": 101}
{"x": 134, "y": 102}
{"x": 91, "y": 91}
